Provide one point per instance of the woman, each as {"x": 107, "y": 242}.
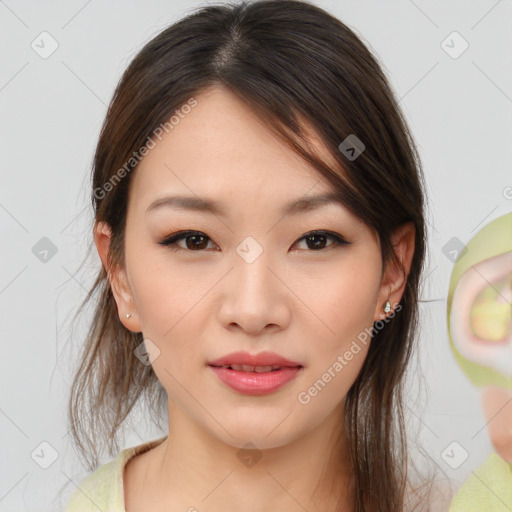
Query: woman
{"x": 259, "y": 213}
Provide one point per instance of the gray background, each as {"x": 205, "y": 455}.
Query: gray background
{"x": 51, "y": 112}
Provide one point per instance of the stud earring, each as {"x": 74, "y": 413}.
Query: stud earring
{"x": 128, "y": 315}
{"x": 387, "y": 307}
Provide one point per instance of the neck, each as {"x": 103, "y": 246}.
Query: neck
{"x": 193, "y": 468}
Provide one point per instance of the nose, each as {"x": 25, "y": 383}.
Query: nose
{"x": 254, "y": 297}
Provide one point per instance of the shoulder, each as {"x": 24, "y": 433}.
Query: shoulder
{"x": 97, "y": 490}
{"x": 104, "y": 488}
{"x": 488, "y": 488}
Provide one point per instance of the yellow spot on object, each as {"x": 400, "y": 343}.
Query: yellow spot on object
{"x": 491, "y": 315}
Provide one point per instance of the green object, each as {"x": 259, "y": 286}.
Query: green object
{"x": 103, "y": 490}
{"x": 488, "y": 489}
{"x": 492, "y": 240}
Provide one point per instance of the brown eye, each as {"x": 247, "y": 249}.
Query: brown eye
{"x": 316, "y": 240}
{"x": 194, "y": 240}
{"x": 197, "y": 241}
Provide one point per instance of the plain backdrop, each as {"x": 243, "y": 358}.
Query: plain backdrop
{"x": 51, "y": 110}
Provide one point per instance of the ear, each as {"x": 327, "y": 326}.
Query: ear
{"x": 394, "y": 276}
{"x": 118, "y": 279}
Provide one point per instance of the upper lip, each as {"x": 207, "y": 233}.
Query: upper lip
{"x": 261, "y": 359}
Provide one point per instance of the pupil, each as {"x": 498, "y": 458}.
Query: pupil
{"x": 316, "y": 245}
{"x": 196, "y": 246}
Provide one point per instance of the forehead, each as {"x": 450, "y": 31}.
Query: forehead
{"x": 222, "y": 149}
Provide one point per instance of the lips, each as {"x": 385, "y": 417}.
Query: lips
{"x": 259, "y": 363}
{"x": 255, "y": 374}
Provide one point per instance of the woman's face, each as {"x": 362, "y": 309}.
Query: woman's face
{"x": 249, "y": 281}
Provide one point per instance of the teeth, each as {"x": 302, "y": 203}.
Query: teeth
{"x": 248, "y": 368}
{"x": 262, "y": 369}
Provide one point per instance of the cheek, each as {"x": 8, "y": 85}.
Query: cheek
{"x": 345, "y": 300}
{"x": 165, "y": 294}
{"x": 345, "y": 304}
{"x": 170, "y": 308}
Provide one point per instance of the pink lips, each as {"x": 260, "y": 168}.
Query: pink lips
{"x": 261, "y": 359}
{"x": 251, "y": 382}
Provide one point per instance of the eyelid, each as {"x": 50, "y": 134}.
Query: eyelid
{"x": 339, "y": 240}
{"x": 171, "y": 240}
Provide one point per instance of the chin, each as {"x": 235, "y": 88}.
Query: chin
{"x": 265, "y": 431}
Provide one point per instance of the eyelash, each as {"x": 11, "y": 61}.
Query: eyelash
{"x": 174, "y": 238}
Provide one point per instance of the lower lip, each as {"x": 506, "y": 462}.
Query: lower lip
{"x": 252, "y": 383}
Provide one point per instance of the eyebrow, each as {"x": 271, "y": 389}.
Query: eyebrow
{"x": 202, "y": 204}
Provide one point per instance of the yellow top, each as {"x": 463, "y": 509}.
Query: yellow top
{"x": 488, "y": 489}
{"x": 104, "y": 489}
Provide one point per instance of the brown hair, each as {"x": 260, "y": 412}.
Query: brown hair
{"x": 288, "y": 60}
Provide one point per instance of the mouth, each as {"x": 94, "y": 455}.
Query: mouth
{"x": 255, "y": 374}
{"x": 260, "y": 363}
{"x": 253, "y": 369}
{"x": 256, "y": 380}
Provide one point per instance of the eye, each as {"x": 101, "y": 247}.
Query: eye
{"x": 316, "y": 240}
{"x": 197, "y": 241}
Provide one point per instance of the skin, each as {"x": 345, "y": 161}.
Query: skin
{"x": 306, "y": 304}
{"x": 497, "y": 406}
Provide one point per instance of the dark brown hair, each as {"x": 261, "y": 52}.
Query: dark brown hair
{"x": 288, "y": 60}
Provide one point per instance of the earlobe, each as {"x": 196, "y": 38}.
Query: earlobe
{"x": 117, "y": 278}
